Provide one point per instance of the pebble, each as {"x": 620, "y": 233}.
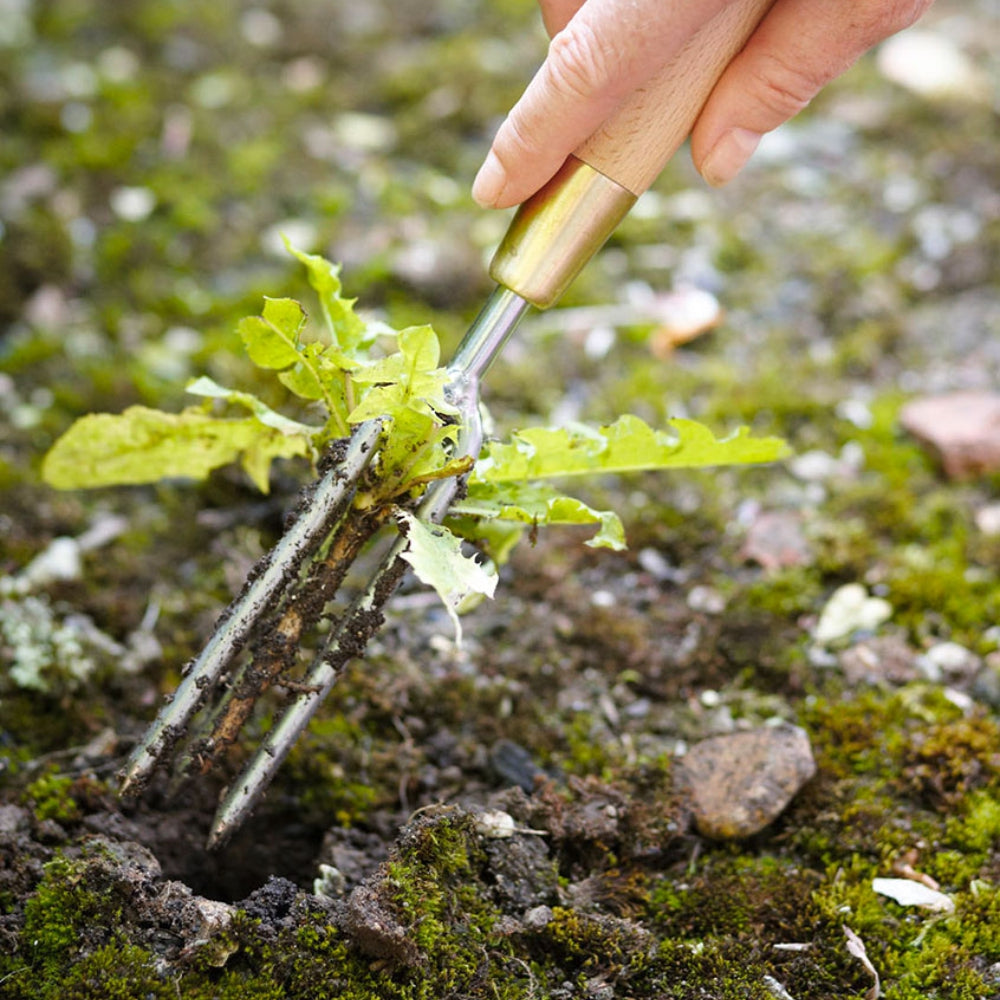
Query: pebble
{"x": 132, "y": 204}
{"x": 986, "y": 684}
{"x": 775, "y": 540}
{"x": 60, "y": 560}
{"x": 988, "y": 519}
{"x": 884, "y": 658}
{"x": 495, "y": 823}
{"x": 659, "y": 567}
{"x": 683, "y": 314}
{"x": 814, "y": 466}
{"x": 850, "y": 610}
{"x": 537, "y": 918}
{"x": 948, "y": 660}
{"x": 14, "y": 819}
{"x": 740, "y": 782}
{"x": 706, "y": 600}
{"x": 962, "y": 429}
{"x": 931, "y": 65}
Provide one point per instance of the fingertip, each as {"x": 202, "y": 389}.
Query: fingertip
{"x": 728, "y": 156}
{"x": 488, "y": 187}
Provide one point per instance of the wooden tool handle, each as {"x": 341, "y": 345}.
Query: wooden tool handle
{"x": 634, "y": 145}
{"x": 561, "y": 226}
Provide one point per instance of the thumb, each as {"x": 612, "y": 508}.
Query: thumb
{"x": 799, "y": 47}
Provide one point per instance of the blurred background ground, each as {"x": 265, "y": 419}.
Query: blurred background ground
{"x": 152, "y": 154}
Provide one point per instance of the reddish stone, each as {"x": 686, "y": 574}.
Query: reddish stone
{"x": 961, "y": 428}
{"x": 776, "y": 540}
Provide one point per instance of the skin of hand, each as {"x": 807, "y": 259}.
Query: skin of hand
{"x": 603, "y": 50}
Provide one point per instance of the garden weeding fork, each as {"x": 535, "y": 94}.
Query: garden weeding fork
{"x": 550, "y": 239}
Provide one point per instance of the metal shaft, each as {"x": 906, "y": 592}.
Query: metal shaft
{"x": 481, "y": 344}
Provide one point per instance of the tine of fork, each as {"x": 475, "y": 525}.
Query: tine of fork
{"x": 482, "y": 342}
{"x": 346, "y": 641}
{"x": 327, "y": 504}
{"x": 274, "y": 649}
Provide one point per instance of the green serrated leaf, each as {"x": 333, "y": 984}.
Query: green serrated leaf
{"x": 143, "y": 446}
{"x": 419, "y": 352}
{"x": 272, "y": 339}
{"x": 415, "y": 449}
{"x": 408, "y": 379}
{"x": 380, "y": 401}
{"x": 205, "y": 386}
{"x": 627, "y": 445}
{"x": 303, "y": 377}
{"x": 345, "y": 328}
{"x": 435, "y": 554}
{"x": 540, "y": 505}
{"x": 497, "y": 539}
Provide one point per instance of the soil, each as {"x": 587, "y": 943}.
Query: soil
{"x": 505, "y": 818}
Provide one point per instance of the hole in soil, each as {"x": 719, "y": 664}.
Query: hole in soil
{"x": 272, "y": 842}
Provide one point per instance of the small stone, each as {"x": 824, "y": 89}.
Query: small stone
{"x": 706, "y": 600}
{"x": 515, "y": 765}
{"x": 14, "y": 819}
{"x": 884, "y": 658}
{"x": 537, "y": 918}
{"x": 495, "y": 823}
{"x": 658, "y": 566}
{"x": 330, "y": 883}
{"x": 739, "y": 783}
{"x": 986, "y": 685}
{"x": 775, "y": 540}
{"x": 988, "y": 519}
{"x": 682, "y": 315}
{"x": 59, "y": 561}
{"x": 949, "y": 660}
{"x": 48, "y": 831}
{"x": 133, "y": 204}
{"x": 931, "y": 65}
{"x": 814, "y": 466}
{"x": 962, "y": 429}
{"x": 849, "y": 610}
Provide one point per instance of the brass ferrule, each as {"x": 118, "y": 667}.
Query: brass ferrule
{"x": 557, "y": 230}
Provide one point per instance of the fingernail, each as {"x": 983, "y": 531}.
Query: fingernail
{"x": 489, "y": 182}
{"x": 729, "y": 155}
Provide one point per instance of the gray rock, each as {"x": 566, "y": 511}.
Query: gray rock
{"x": 881, "y": 659}
{"x": 14, "y": 819}
{"x": 948, "y": 660}
{"x": 738, "y": 783}
{"x": 537, "y": 918}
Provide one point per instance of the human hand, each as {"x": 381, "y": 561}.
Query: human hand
{"x": 603, "y": 50}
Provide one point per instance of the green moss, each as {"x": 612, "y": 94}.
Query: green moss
{"x": 951, "y": 758}
{"x": 49, "y": 797}
{"x": 585, "y": 943}
{"x": 434, "y": 897}
{"x": 978, "y": 829}
{"x": 736, "y": 896}
{"x": 430, "y": 887}
{"x": 72, "y": 939}
{"x": 322, "y": 772}
{"x": 786, "y": 593}
{"x": 590, "y": 750}
{"x": 116, "y": 971}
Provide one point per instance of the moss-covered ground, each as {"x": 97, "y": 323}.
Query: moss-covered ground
{"x": 151, "y": 155}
